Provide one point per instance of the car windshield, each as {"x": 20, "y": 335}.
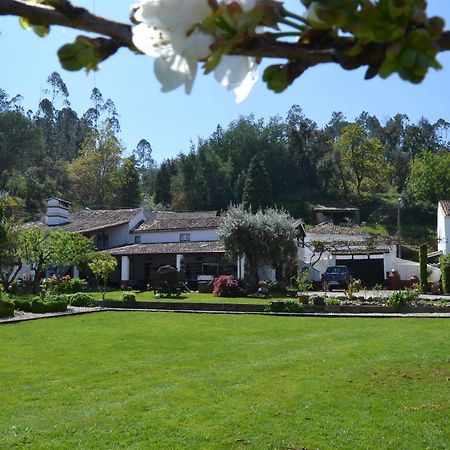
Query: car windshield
{"x": 336, "y": 269}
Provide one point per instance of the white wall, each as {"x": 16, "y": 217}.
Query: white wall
{"x": 408, "y": 269}
{"x": 443, "y": 231}
{"x": 117, "y": 236}
{"x": 405, "y": 268}
{"x": 137, "y": 219}
{"x": 174, "y": 236}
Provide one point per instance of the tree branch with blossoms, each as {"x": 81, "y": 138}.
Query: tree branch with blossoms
{"x": 230, "y": 38}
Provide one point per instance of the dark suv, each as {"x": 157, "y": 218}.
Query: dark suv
{"x": 337, "y": 277}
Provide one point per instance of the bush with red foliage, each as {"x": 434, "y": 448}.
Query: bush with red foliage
{"x": 228, "y": 286}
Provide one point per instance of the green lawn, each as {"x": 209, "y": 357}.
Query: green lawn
{"x": 193, "y": 297}
{"x": 141, "y": 380}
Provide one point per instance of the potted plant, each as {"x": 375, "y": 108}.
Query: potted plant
{"x": 435, "y": 288}
{"x": 304, "y": 284}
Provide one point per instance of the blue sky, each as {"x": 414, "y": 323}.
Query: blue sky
{"x": 170, "y": 121}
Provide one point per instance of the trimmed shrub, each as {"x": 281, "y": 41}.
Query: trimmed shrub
{"x": 6, "y": 308}
{"x": 49, "y": 303}
{"x": 444, "y": 264}
{"x": 23, "y": 303}
{"x": 288, "y": 306}
{"x": 228, "y": 286}
{"x": 81, "y": 299}
{"x": 129, "y": 297}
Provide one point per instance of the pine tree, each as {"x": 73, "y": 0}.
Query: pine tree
{"x": 163, "y": 193}
{"x": 258, "y": 188}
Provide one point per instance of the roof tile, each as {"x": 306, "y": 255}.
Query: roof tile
{"x": 165, "y": 221}
{"x": 329, "y": 228}
{"x": 445, "y": 205}
{"x": 86, "y": 221}
{"x": 168, "y": 248}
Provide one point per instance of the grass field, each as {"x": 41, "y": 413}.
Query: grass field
{"x": 194, "y": 297}
{"x": 141, "y": 380}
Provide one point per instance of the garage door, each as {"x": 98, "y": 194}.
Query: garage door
{"x": 370, "y": 271}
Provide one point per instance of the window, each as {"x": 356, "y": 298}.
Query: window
{"x": 185, "y": 237}
{"x": 102, "y": 241}
{"x": 210, "y": 269}
{"x": 137, "y": 239}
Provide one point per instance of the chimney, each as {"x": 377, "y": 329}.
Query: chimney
{"x": 57, "y": 212}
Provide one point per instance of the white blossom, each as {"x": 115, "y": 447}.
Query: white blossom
{"x": 173, "y": 15}
{"x": 246, "y": 5}
{"x": 168, "y": 31}
{"x": 237, "y": 73}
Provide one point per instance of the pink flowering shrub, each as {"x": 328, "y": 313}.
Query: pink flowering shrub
{"x": 228, "y": 286}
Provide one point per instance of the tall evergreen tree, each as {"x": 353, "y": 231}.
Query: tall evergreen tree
{"x": 258, "y": 188}
{"x": 128, "y": 191}
{"x": 163, "y": 194}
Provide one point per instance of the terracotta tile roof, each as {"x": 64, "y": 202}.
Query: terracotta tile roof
{"x": 445, "y": 205}
{"x": 329, "y": 228}
{"x": 169, "y": 248}
{"x": 166, "y": 221}
{"x": 87, "y": 221}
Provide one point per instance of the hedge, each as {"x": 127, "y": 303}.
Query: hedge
{"x": 81, "y": 299}
{"x": 50, "y": 303}
{"x": 6, "y": 308}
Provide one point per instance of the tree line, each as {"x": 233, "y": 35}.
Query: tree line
{"x": 290, "y": 161}
{"x": 53, "y": 151}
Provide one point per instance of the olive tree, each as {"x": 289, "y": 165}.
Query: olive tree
{"x": 266, "y": 237}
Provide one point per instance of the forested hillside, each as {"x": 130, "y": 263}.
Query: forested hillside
{"x": 287, "y": 161}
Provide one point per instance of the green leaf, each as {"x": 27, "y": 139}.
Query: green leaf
{"x": 212, "y": 62}
{"x": 41, "y": 30}
{"x": 24, "y": 23}
{"x": 276, "y": 78}
{"x": 387, "y": 68}
{"x": 79, "y": 55}
{"x": 408, "y": 58}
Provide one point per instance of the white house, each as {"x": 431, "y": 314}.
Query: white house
{"x": 367, "y": 256}
{"x": 443, "y": 227}
{"x": 187, "y": 240}
{"x": 143, "y": 240}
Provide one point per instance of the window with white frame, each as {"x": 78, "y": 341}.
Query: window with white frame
{"x": 185, "y": 237}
